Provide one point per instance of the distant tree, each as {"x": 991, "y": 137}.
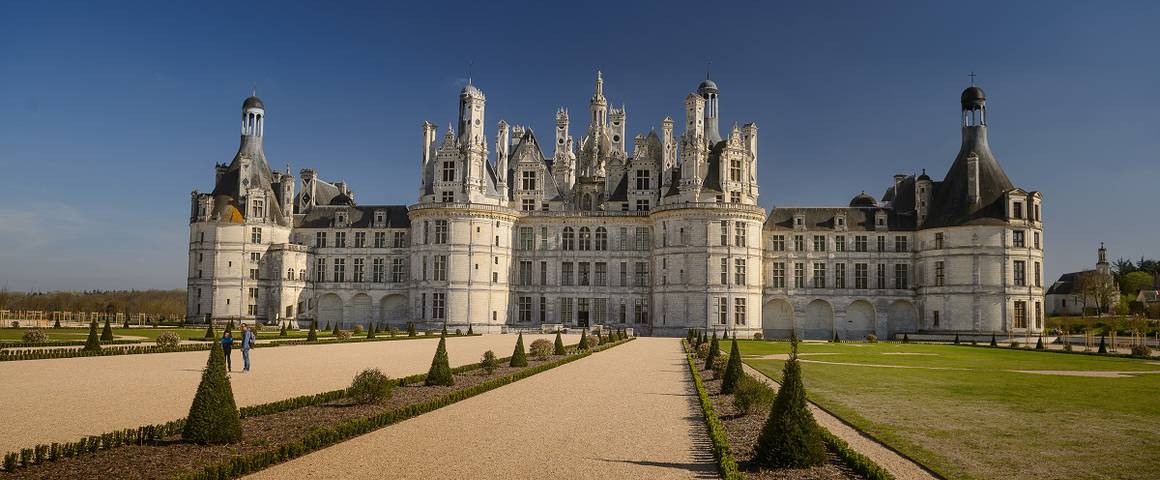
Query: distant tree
{"x": 1131, "y": 283}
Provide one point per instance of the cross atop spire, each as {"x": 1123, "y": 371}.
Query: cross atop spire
{"x": 972, "y": 75}
{"x": 708, "y": 65}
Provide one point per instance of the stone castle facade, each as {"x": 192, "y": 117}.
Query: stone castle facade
{"x": 660, "y": 238}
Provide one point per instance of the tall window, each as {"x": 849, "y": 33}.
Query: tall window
{"x": 799, "y": 275}
{"x": 1038, "y": 275}
{"x": 1020, "y": 314}
{"x": 340, "y": 239}
{"x": 778, "y": 243}
{"x": 640, "y": 274}
{"x": 642, "y": 180}
{"x": 340, "y": 269}
{"x": 779, "y": 275}
{"x": 566, "y": 274}
{"x": 1017, "y": 239}
{"x": 819, "y": 243}
{"x": 724, "y": 233}
{"x": 1036, "y": 236}
{"x": 565, "y": 310}
{"x": 259, "y": 209}
{"x": 528, "y": 180}
{"x": 900, "y": 243}
{"x": 819, "y": 275}
{"x": 569, "y": 239}
{"x": 585, "y": 239}
{"x": 739, "y": 271}
{"x": 881, "y": 275}
{"x": 1018, "y": 213}
{"x": 525, "y": 272}
{"x": 641, "y": 311}
{"x": 320, "y": 270}
{"x": 799, "y": 243}
{"x": 739, "y": 311}
{"x": 938, "y": 240}
{"x": 642, "y": 238}
{"x": 724, "y": 270}
{"x": 723, "y": 310}
{"x": 440, "y": 232}
{"x": 359, "y": 270}
{"x": 739, "y": 233}
{"x": 584, "y": 274}
{"x": 839, "y": 275}
{"x": 438, "y": 305}
{"x": 543, "y": 273}
{"x": 735, "y": 170}
{"x": 377, "y": 270}
{"x": 527, "y": 239}
{"x": 256, "y": 235}
{"x": 642, "y": 205}
{"x": 528, "y": 204}
{"x": 600, "y": 310}
{"x": 360, "y": 239}
{"x": 398, "y": 270}
{"x": 1020, "y": 273}
{"x": 380, "y": 239}
{"x": 449, "y": 171}
{"x": 399, "y": 239}
{"x": 440, "y": 271}
{"x": 901, "y": 281}
{"x": 859, "y": 243}
{"x": 840, "y": 243}
{"x": 624, "y": 274}
{"x": 601, "y": 239}
{"x": 860, "y": 274}
{"x": 881, "y": 243}
{"x": 601, "y": 278}
{"x": 543, "y": 238}
{"x": 939, "y": 273}
{"x": 320, "y": 239}
{"x": 525, "y": 314}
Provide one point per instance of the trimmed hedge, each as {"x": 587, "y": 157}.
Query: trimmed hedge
{"x": 726, "y": 465}
{"x": 62, "y": 343}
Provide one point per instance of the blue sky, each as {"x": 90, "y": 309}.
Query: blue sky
{"x": 112, "y": 112}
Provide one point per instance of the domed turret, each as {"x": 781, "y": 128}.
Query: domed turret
{"x": 863, "y": 200}
{"x": 707, "y": 86}
{"x": 973, "y": 98}
{"x": 253, "y": 102}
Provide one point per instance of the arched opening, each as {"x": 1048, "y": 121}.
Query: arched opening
{"x": 329, "y": 310}
{"x": 819, "y": 322}
{"x": 360, "y": 310}
{"x": 860, "y": 318}
{"x": 393, "y": 310}
{"x": 902, "y": 318}
{"x": 777, "y": 319}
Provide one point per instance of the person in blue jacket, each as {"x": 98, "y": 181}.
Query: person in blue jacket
{"x": 248, "y": 340}
{"x": 227, "y": 346}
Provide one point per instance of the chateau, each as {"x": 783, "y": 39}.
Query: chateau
{"x": 661, "y": 238}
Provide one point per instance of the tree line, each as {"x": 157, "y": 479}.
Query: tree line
{"x": 166, "y": 303}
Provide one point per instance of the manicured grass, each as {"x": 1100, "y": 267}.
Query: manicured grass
{"x": 980, "y": 419}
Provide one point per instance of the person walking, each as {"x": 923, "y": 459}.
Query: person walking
{"x": 227, "y": 345}
{"x": 247, "y": 342}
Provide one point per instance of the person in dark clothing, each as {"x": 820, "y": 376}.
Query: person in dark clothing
{"x": 227, "y": 345}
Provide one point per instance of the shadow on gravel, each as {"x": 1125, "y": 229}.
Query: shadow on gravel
{"x": 701, "y": 470}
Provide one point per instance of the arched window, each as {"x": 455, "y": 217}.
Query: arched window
{"x": 569, "y": 242}
{"x": 585, "y": 239}
{"x": 601, "y": 239}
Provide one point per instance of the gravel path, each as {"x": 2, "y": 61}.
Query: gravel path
{"x": 60, "y": 400}
{"x": 901, "y": 467}
{"x": 629, "y": 412}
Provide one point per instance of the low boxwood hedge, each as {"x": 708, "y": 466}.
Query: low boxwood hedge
{"x": 726, "y": 465}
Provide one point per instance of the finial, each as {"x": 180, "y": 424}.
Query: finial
{"x": 972, "y": 75}
{"x": 469, "y": 72}
{"x": 708, "y": 65}
{"x": 254, "y": 90}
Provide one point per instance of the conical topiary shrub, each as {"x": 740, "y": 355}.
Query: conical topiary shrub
{"x": 836, "y": 338}
{"x": 312, "y": 335}
{"x": 440, "y": 372}
{"x": 370, "y": 330}
{"x": 1103, "y": 345}
{"x": 93, "y": 343}
{"x": 905, "y": 338}
{"x": 335, "y": 331}
{"x": 1039, "y": 344}
{"x": 732, "y": 369}
{"x": 790, "y": 437}
{"x": 714, "y": 351}
{"x": 558, "y": 349}
{"x": 282, "y": 332}
{"x": 230, "y": 326}
{"x": 956, "y": 339}
{"x": 327, "y": 327}
{"x": 209, "y": 335}
{"x": 519, "y": 355}
{"x": 213, "y": 417}
{"x": 583, "y": 345}
{"x": 469, "y": 330}
{"x": 56, "y": 324}
{"x": 107, "y": 332}
{"x": 993, "y": 342}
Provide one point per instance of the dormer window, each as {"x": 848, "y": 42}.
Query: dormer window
{"x": 799, "y": 222}
{"x": 840, "y": 222}
{"x": 340, "y": 218}
{"x": 528, "y": 180}
{"x": 258, "y": 209}
{"x": 880, "y": 220}
{"x": 380, "y": 218}
{"x": 1017, "y": 210}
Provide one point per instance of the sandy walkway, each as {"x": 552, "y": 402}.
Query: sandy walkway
{"x": 628, "y": 412}
{"x": 60, "y": 400}
{"x": 901, "y": 467}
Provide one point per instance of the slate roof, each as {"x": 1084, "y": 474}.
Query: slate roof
{"x": 950, "y": 204}
{"x": 358, "y": 216}
{"x": 1066, "y": 283}
{"x": 227, "y": 190}
{"x": 857, "y": 218}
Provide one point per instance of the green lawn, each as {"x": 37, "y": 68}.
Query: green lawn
{"x": 978, "y": 418}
